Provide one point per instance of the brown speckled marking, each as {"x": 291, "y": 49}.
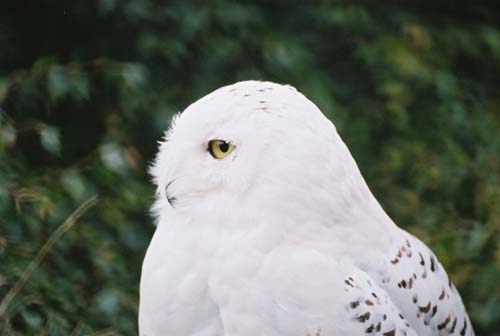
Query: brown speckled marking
{"x": 368, "y": 302}
{"x": 425, "y": 309}
{"x": 422, "y": 261}
{"x": 442, "y": 295}
{"x": 370, "y": 329}
{"x": 453, "y": 325}
{"x": 464, "y": 329}
{"x": 433, "y": 264}
{"x": 318, "y": 333}
{"x": 445, "y": 322}
{"x": 354, "y": 304}
{"x": 434, "y": 311}
{"x": 364, "y": 317}
{"x": 347, "y": 282}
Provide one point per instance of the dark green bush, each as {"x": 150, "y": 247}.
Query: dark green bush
{"x": 88, "y": 86}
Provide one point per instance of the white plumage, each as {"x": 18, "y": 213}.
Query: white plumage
{"x": 282, "y": 236}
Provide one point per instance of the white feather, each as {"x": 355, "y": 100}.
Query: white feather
{"x": 282, "y": 236}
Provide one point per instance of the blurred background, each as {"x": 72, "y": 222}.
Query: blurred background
{"x": 87, "y": 88}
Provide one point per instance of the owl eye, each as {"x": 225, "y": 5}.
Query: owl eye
{"x": 219, "y": 149}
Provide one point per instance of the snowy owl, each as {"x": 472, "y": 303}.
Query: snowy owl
{"x": 265, "y": 226}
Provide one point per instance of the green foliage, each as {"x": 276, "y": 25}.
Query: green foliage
{"x": 88, "y": 87}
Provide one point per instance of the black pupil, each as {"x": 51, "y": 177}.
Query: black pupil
{"x": 223, "y": 146}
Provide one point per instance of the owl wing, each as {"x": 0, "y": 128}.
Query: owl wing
{"x": 404, "y": 293}
{"x": 420, "y": 288}
{"x": 310, "y": 293}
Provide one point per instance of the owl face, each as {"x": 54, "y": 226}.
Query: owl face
{"x": 248, "y": 143}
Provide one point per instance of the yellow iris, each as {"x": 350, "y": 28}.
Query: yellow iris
{"x": 220, "y": 148}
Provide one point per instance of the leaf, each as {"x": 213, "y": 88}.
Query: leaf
{"x": 58, "y": 82}
{"x": 8, "y": 135}
{"x": 51, "y": 139}
{"x": 113, "y": 157}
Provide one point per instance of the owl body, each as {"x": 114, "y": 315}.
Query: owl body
{"x": 279, "y": 234}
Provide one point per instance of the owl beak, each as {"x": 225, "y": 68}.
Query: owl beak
{"x": 171, "y": 199}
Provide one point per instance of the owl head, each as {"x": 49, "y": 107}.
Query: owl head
{"x": 252, "y": 145}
